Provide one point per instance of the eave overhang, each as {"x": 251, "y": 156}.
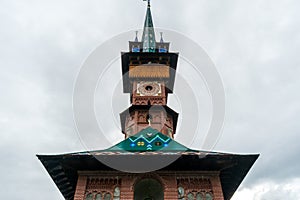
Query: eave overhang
{"x": 148, "y": 57}
{"x": 64, "y": 169}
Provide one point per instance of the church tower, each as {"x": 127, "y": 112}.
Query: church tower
{"x": 149, "y": 126}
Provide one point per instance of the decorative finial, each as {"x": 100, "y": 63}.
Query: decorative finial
{"x": 161, "y": 37}
{"x": 148, "y": 2}
{"x": 136, "y": 36}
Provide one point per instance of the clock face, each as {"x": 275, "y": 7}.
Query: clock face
{"x": 149, "y": 88}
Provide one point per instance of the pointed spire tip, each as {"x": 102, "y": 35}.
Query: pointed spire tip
{"x": 161, "y": 37}
{"x": 148, "y": 3}
{"x": 136, "y": 36}
{"x": 148, "y": 37}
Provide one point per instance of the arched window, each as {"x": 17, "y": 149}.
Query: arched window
{"x": 99, "y": 196}
{"x": 117, "y": 193}
{"x": 180, "y": 193}
{"x": 107, "y": 196}
{"x": 208, "y": 196}
{"x": 148, "y": 188}
{"x": 199, "y": 196}
{"x": 190, "y": 196}
{"x": 89, "y": 196}
{"x": 141, "y": 118}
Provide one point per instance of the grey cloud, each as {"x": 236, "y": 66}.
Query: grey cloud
{"x": 254, "y": 44}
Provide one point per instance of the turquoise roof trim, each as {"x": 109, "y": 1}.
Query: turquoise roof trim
{"x": 141, "y": 137}
{"x": 148, "y": 139}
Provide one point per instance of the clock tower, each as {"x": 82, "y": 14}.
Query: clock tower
{"x": 148, "y": 76}
{"x": 148, "y": 163}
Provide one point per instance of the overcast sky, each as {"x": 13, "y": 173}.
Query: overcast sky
{"x": 254, "y": 44}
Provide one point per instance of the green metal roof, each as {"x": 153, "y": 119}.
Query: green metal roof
{"x": 148, "y": 38}
{"x": 148, "y": 139}
{"x": 64, "y": 168}
{"x": 149, "y": 145}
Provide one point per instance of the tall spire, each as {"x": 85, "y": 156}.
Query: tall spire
{"x": 148, "y": 38}
{"x": 136, "y": 36}
{"x": 161, "y": 37}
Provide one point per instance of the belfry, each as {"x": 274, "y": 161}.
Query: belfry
{"x": 153, "y": 166}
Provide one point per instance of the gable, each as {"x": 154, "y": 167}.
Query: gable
{"x": 148, "y": 139}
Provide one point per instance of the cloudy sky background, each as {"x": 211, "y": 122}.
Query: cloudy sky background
{"x": 254, "y": 45}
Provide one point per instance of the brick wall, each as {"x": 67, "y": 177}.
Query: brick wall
{"x": 80, "y": 187}
{"x": 193, "y": 181}
{"x": 217, "y": 188}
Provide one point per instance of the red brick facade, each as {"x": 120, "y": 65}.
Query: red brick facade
{"x": 149, "y": 125}
{"x": 104, "y": 182}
